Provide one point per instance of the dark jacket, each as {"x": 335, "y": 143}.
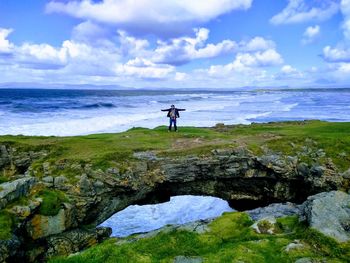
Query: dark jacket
{"x": 176, "y": 112}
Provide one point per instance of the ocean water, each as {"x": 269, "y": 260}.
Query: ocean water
{"x": 77, "y": 112}
{"x": 179, "y": 210}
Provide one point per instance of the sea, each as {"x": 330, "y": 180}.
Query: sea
{"x": 63, "y": 112}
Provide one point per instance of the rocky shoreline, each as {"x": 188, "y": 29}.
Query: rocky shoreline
{"x": 52, "y": 212}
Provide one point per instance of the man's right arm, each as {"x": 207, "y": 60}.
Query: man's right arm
{"x": 166, "y": 110}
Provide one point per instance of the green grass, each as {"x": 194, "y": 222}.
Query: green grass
{"x": 3, "y": 179}
{"x": 107, "y": 150}
{"x": 52, "y": 200}
{"x": 6, "y": 224}
{"x": 230, "y": 240}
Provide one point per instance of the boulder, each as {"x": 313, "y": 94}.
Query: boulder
{"x": 42, "y": 226}
{"x": 10, "y": 191}
{"x": 75, "y": 240}
{"x": 85, "y": 186}
{"x": 329, "y": 213}
{"x": 267, "y": 225}
{"x": 60, "y": 182}
{"x": 274, "y": 210}
{"x": 48, "y": 181}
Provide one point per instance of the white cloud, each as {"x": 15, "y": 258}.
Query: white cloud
{"x": 182, "y": 50}
{"x": 310, "y": 34}
{"x": 92, "y": 34}
{"x": 269, "y": 57}
{"x": 178, "y": 51}
{"x": 130, "y": 45}
{"x": 298, "y": 11}
{"x": 339, "y": 72}
{"x": 42, "y": 52}
{"x": 72, "y": 54}
{"x": 5, "y": 45}
{"x": 288, "y": 69}
{"x": 144, "y": 69}
{"x": 289, "y": 72}
{"x": 256, "y": 44}
{"x": 181, "y": 76}
{"x": 345, "y": 9}
{"x": 147, "y": 15}
{"x": 336, "y": 54}
{"x": 247, "y": 64}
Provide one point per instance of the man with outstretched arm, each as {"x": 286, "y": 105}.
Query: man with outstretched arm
{"x": 173, "y": 114}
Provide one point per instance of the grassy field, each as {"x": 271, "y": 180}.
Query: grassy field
{"x": 230, "y": 239}
{"x": 104, "y": 150}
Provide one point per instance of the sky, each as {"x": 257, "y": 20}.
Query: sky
{"x": 176, "y": 43}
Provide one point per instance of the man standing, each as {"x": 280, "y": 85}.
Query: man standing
{"x": 173, "y": 113}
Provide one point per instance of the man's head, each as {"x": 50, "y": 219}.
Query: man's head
{"x": 173, "y": 106}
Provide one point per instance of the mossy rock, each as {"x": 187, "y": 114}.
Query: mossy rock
{"x": 51, "y": 201}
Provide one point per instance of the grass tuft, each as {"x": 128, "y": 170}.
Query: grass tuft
{"x": 52, "y": 200}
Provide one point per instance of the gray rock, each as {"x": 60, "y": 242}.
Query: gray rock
{"x": 60, "y": 181}
{"x": 294, "y": 245}
{"x": 100, "y": 188}
{"x": 85, "y": 186}
{"x": 24, "y": 211}
{"x": 274, "y": 210}
{"x": 310, "y": 260}
{"x": 183, "y": 259}
{"x": 4, "y": 156}
{"x": 148, "y": 156}
{"x": 75, "y": 240}
{"x": 48, "y": 180}
{"x": 267, "y": 225}
{"x": 329, "y": 213}
{"x": 113, "y": 171}
{"x": 346, "y": 174}
{"x": 42, "y": 226}
{"x": 15, "y": 189}
{"x": 303, "y": 169}
{"x": 46, "y": 168}
{"x": 200, "y": 226}
{"x": 317, "y": 170}
{"x": 8, "y": 248}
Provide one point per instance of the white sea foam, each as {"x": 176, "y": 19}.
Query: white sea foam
{"x": 179, "y": 210}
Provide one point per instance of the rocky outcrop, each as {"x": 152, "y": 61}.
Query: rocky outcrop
{"x": 4, "y": 156}
{"x": 329, "y": 213}
{"x": 18, "y": 160}
{"x": 75, "y": 240}
{"x": 42, "y": 226}
{"x": 8, "y": 248}
{"x": 234, "y": 174}
{"x": 13, "y": 190}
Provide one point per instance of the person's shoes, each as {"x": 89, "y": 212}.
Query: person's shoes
{"x": 176, "y": 131}
{"x": 168, "y": 130}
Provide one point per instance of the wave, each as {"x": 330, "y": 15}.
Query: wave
{"x": 97, "y": 105}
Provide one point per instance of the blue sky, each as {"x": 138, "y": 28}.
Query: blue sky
{"x": 178, "y": 43}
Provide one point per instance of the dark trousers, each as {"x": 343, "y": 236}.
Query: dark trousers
{"x": 172, "y": 121}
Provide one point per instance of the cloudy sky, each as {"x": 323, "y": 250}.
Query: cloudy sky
{"x": 176, "y": 43}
